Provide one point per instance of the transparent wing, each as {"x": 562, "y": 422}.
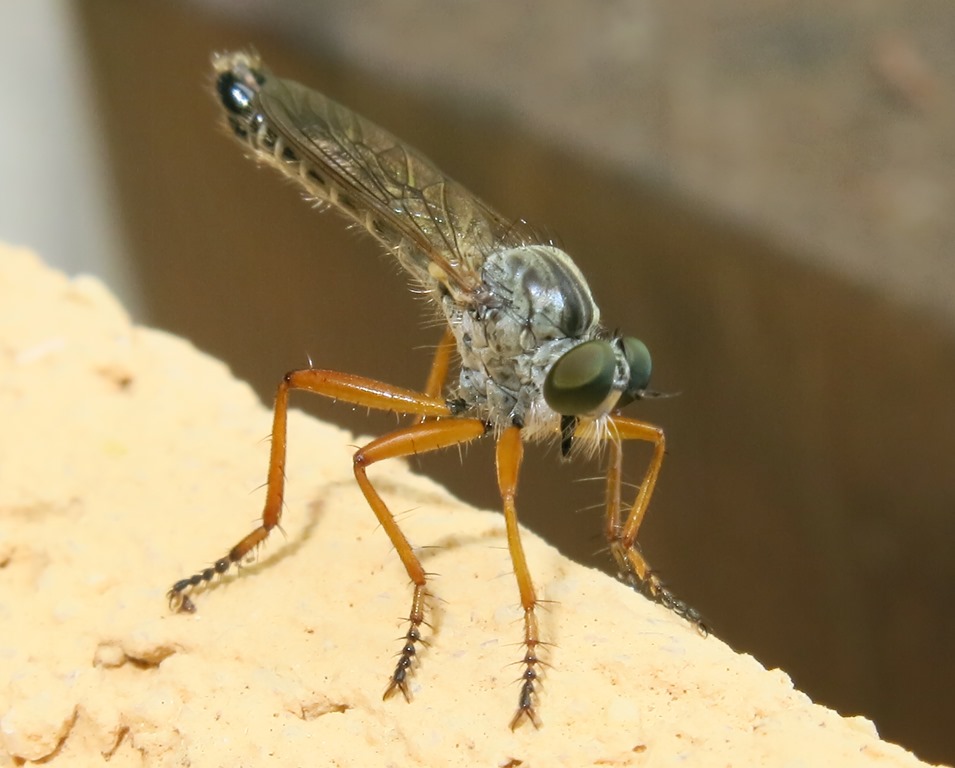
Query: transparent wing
{"x": 438, "y": 229}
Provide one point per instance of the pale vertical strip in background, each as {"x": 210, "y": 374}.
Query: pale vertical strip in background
{"x": 55, "y": 196}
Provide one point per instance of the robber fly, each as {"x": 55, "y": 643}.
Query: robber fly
{"x": 523, "y": 333}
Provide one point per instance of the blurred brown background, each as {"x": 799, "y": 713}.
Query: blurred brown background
{"x": 764, "y": 194}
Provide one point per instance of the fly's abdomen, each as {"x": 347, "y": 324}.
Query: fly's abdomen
{"x": 258, "y": 107}
{"x": 436, "y": 228}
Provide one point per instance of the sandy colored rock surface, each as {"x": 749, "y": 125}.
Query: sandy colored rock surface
{"x": 128, "y": 459}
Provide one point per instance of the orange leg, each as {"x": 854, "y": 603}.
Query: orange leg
{"x": 632, "y": 565}
{"x": 415, "y": 439}
{"x": 510, "y": 454}
{"x": 440, "y": 366}
{"x": 418, "y": 438}
{"x": 338, "y": 386}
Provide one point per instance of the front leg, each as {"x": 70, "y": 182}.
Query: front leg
{"x": 632, "y": 566}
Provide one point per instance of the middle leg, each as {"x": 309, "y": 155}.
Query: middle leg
{"x": 510, "y": 454}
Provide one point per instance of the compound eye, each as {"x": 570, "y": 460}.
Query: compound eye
{"x": 236, "y": 95}
{"x": 637, "y": 355}
{"x": 581, "y": 380}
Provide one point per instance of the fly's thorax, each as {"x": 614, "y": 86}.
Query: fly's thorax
{"x": 542, "y": 293}
{"x": 530, "y": 296}
{"x": 509, "y": 391}
{"x": 534, "y": 306}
